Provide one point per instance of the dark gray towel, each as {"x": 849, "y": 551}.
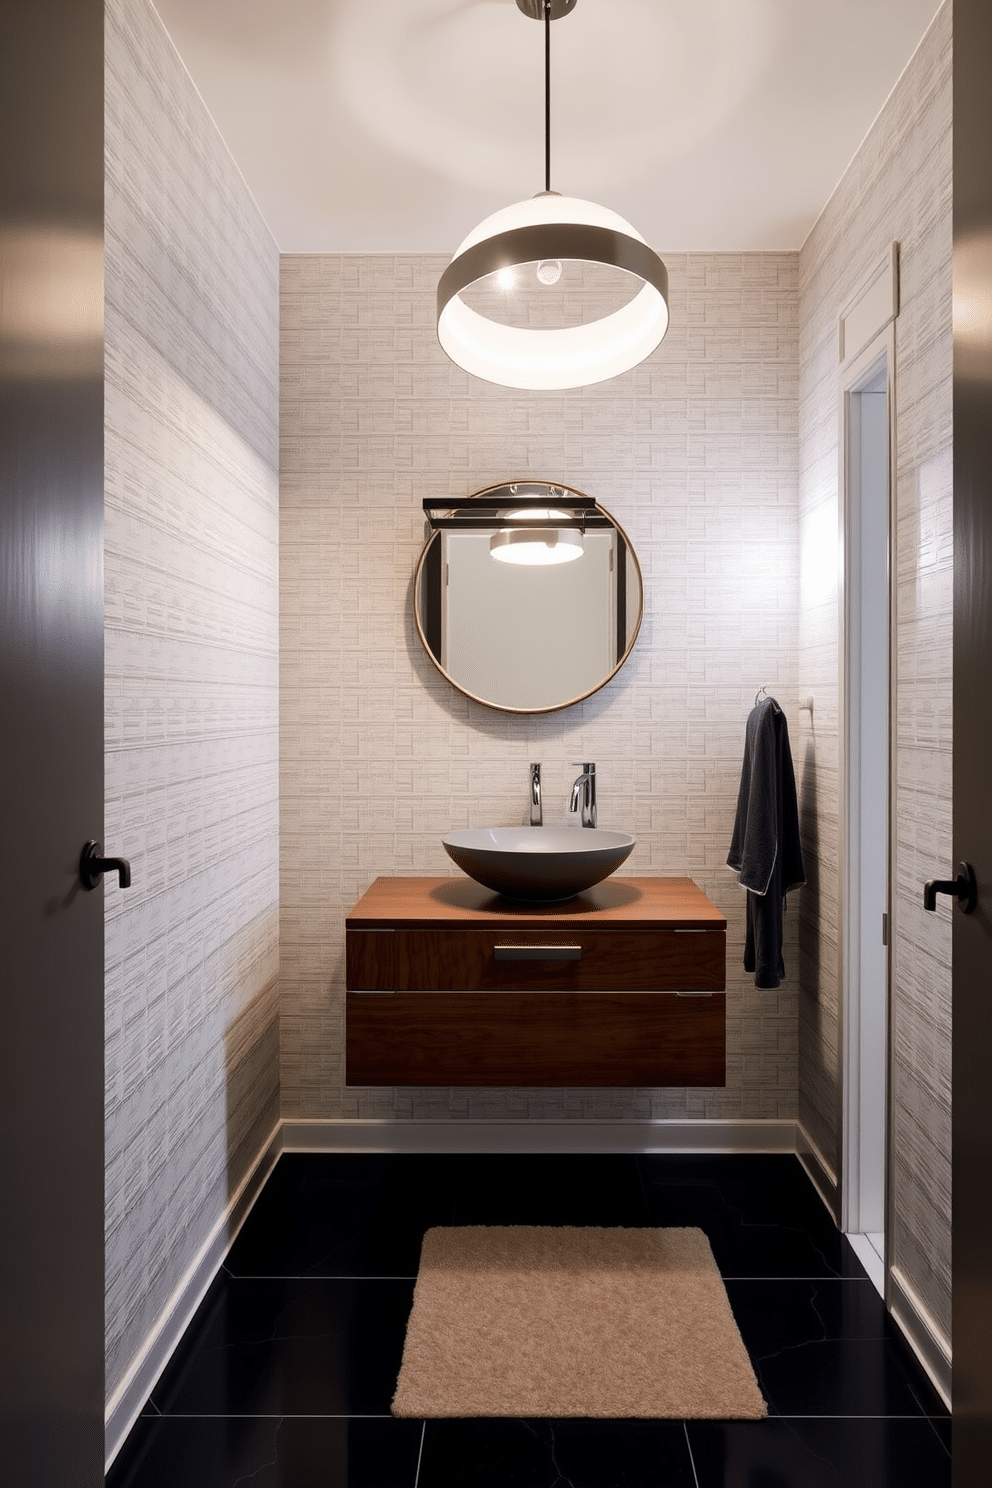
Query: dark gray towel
{"x": 765, "y": 848}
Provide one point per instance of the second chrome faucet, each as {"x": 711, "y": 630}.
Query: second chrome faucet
{"x": 583, "y": 794}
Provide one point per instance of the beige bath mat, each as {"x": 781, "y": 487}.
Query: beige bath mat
{"x": 534, "y": 1321}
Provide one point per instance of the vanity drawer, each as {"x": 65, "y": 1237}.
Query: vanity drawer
{"x": 494, "y": 960}
{"x": 534, "y": 1038}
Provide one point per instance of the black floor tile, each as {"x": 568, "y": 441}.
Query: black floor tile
{"x": 304, "y": 1329}
{"x": 828, "y": 1348}
{"x": 542, "y": 1189}
{"x": 818, "y": 1454}
{"x": 346, "y": 1215}
{"x": 761, "y": 1213}
{"x": 943, "y": 1427}
{"x": 551, "y": 1454}
{"x": 290, "y": 1347}
{"x": 268, "y": 1452}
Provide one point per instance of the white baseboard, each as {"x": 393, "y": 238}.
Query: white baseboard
{"x": 537, "y": 1136}
{"x": 924, "y": 1334}
{"x": 870, "y": 1259}
{"x": 127, "y": 1401}
{"x": 820, "y": 1172}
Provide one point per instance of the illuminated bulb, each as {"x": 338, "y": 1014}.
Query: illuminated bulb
{"x": 549, "y": 270}
{"x": 505, "y": 279}
{"x": 537, "y": 514}
{"x": 540, "y": 545}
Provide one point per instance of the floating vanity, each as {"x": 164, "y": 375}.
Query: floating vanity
{"x": 451, "y": 984}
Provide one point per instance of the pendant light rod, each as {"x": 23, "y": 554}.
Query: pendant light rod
{"x": 546, "y": 11}
{"x": 547, "y": 95}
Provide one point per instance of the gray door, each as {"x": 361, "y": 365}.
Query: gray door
{"x": 51, "y": 727}
{"x": 972, "y": 945}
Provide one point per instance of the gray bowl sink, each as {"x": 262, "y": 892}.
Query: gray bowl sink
{"x": 538, "y": 862}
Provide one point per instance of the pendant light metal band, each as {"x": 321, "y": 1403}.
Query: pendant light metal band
{"x": 579, "y": 240}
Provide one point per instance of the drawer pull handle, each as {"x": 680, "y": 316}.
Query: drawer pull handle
{"x": 538, "y": 953}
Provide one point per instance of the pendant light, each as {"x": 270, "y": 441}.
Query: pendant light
{"x": 548, "y": 232}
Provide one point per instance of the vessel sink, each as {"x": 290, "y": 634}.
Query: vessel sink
{"x": 538, "y": 862}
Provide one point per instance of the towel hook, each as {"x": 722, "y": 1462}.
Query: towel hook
{"x": 757, "y": 695}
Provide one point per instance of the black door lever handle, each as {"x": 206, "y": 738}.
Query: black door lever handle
{"x": 964, "y": 888}
{"x": 92, "y": 867}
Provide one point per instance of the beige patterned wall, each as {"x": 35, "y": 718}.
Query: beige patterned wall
{"x": 897, "y": 188}
{"x": 191, "y": 676}
{"x": 696, "y": 454}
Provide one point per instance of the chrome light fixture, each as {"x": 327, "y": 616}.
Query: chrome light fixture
{"x": 550, "y": 232}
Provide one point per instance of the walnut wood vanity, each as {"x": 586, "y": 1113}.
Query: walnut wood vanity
{"x": 450, "y": 984}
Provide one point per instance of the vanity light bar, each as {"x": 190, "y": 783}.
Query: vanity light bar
{"x": 467, "y": 513}
{"x": 571, "y": 499}
{"x": 466, "y": 524}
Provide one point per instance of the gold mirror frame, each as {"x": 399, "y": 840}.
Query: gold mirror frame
{"x": 444, "y": 513}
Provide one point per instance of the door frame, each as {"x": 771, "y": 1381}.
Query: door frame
{"x": 854, "y": 373}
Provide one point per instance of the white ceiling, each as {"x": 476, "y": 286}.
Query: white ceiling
{"x": 397, "y": 125}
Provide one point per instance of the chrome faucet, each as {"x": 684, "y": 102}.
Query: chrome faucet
{"x": 585, "y": 789}
{"x": 536, "y": 812}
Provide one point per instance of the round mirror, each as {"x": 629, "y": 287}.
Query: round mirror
{"x": 527, "y": 596}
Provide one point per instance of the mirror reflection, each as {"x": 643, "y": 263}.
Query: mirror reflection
{"x": 527, "y": 596}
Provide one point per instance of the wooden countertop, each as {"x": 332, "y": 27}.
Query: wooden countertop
{"x": 634, "y": 903}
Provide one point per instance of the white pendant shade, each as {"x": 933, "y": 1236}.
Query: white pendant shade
{"x": 546, "y": 207}
{"x": 552, "y": 228}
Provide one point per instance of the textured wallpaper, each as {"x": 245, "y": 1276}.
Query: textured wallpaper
{"x": 191, "y": 676}
{"x": 718, "y": 456}
{"x": 696, "y": 454}
{"x": 898, "y": 188}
